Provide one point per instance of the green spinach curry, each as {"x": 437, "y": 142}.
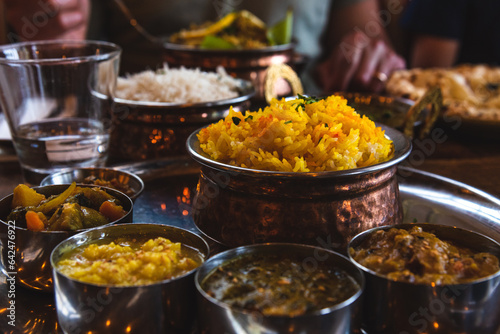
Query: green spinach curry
{"x": 275, "y": 285}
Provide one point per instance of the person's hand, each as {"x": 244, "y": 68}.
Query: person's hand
{"x": 358, "y": 63}
{"x": 47, "y": 19}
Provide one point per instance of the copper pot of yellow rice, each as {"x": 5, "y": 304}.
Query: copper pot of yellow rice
{"x": 301, "y": 170}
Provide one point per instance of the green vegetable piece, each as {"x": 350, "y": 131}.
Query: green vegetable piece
{"x": 53, "y": 203}
{"x": 307, "y": 100}
{"x": 281, "y": 32}
{"x": 96, "y": 197}
{"x": 92, "y": 218}
{"x": 19, "y": 215}
{"x": 214, "y": 42}
{"x": 236, "y": 120}
{"x": 68, "y": 217}
{"x": 288, "y": 122}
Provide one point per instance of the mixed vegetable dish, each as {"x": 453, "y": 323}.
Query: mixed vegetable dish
{"x": 74, "y": 209}
{"x": 236, "y": 30}
{"x": 417, "y": 256}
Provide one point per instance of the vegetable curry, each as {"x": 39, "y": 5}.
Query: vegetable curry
{"x": 417, "y": 256}
{"x": 75, "y": 208}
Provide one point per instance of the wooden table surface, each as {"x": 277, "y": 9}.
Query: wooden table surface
{"x": 471, "y": 160}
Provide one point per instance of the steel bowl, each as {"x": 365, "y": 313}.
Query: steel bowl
{"x": 25, "y": 254}
{"x": 164, "y": 307}
{"x": 239, "y": 206}
{"x": 79, "y": 175}
{"x": 150, "y": 130}
{"x": 248, "y": 64}
{"x": 401, "y": 307}
{"x": 215, "y": 316}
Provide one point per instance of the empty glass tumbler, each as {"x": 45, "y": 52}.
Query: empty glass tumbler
{"x": 56, "y": 96}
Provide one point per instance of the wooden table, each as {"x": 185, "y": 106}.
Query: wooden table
{"x": 471, "y": 160}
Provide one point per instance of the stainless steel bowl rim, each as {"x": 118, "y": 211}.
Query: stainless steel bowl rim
{"x": 245, "y": 88}
{"x": 408, "y": 225}
{"x": 71, "y": 231}
{"x": 402, "y": 148}
{"x": 48, "y": 179}
{"x": 81, "y": 234}
{"x": 242, "y": 250}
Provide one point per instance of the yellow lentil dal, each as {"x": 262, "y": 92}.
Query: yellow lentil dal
{"x": 129, "y": 263}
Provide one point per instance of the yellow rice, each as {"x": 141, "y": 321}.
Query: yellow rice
{"x": 296, "y": 136}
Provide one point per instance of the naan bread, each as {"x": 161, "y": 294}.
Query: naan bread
{"x": 470, "y": 91}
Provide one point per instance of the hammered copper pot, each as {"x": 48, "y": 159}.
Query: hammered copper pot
{"x": 145, "y": 130}
{"x": 251, "y": 64}
{"x": 239, "y": 206}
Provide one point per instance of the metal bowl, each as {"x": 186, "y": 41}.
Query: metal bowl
{"x": 164, "y": 307}
{"x": 239, "y": 206}
{"x": 150, "y": 130}
{"x": 401, "y": 307}
{"x": 248, "y": 64}
{"x": 25, "y": 254}
{"x": 388, "y": 110}
{"x": 79, "y": 175}
{"x": 215, "y": 316}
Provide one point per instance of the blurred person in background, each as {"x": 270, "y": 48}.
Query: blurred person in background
{"x": 357, "y": 54}
{"x": 344, "y": 41}
{"x": 450, "y": 32}
{"x": 29, "y": 20}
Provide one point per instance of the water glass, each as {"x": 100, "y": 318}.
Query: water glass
{"x": 56, "y": 96}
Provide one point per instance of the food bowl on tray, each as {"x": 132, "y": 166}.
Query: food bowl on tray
{"x": 247, "y": 64}
{"x": 391, "y": 111}
{"x": 146, "y": 130}
{"x": 272, "y": 288}
{"x": 25, "y": 253}
{"x": 428, "y": 288}
{"x": 238, "y": 206}
{"x": 128, "y": 183}
{"x": 144, "y": 290}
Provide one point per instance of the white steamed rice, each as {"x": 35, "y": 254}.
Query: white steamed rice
{"x": 180, "y": 85}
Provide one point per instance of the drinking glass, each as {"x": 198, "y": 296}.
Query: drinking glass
{"x": 56, "y": 96}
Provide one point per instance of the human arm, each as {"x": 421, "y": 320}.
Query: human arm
{"x": 357, "y": 50}
{"x": 47, "y": 19}
{"x": 438, "y": 28}
{"x": 432, "y": 51}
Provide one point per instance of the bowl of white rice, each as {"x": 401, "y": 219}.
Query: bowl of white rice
{"x": 155, "y": 111}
